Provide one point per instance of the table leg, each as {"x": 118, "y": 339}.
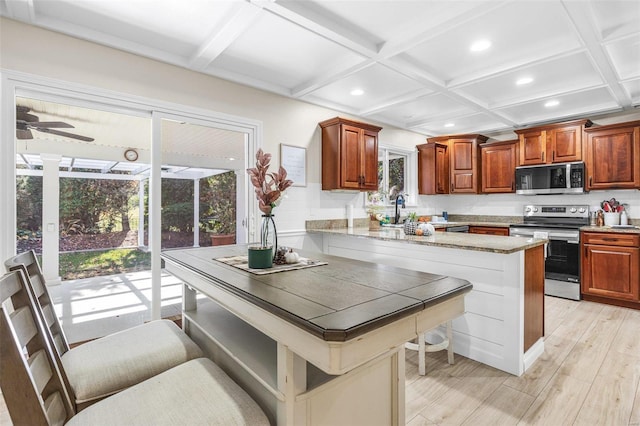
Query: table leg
{"x": 292, "y": 381}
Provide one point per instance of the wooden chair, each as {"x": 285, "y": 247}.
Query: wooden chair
{"x": 195, "y": 392}
{"x": 104, "y": 366}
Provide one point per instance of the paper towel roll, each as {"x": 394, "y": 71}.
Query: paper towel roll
{"x": 350, "y": 215}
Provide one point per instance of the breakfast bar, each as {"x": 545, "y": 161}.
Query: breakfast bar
{"x": 503, "y": 324}
{"x": 320, "y": 344}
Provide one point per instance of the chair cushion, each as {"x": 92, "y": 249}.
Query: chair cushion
{"x": 115, "y": 362}
{"x": 194, "y": 393}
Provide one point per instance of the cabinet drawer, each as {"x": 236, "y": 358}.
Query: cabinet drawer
{"x": 489, "y": 230}
{"x": 611, "y": 239}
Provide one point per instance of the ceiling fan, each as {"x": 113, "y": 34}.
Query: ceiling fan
{"x": 26, "y": 122}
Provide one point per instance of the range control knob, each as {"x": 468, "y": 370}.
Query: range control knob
{"x": 582, "y": 210}
{"x": 535, "y": 209}
{"x": 573, "y": 210}
{"x": 527, "y": 209}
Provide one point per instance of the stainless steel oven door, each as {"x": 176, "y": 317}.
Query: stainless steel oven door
{"x": 562, "y": 260}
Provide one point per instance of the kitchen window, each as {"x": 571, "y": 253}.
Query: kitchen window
{"x": 396, "y": 173}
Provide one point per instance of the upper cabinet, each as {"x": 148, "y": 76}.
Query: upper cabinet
{"x": 552, "y": 143}
{"x": 463, "y": 163}
{"x": 613, "y": 156}
{"x": 349, "y": 155}
{"x": 498, "y": 165}
{"x": 433, "y": 168}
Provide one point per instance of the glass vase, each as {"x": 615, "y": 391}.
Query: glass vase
{"x": 268, "y": 233}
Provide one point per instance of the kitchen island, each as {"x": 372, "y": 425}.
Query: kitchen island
{"x": 503, "y": 325}
{"x": 318, "y": 345}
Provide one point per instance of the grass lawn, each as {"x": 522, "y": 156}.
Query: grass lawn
{"x": 86, "y": 264}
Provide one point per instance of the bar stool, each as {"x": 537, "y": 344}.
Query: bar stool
{"x": 422, "y": 346}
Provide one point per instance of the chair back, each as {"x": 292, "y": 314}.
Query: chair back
{"x": 30, "y": 377}
{"x": 35, "y": 279}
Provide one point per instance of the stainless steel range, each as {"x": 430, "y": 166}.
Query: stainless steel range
{"x": 560, "y": 224}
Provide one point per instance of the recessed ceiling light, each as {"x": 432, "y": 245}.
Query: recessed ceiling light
{"x": 480, "y": 45}
{"x": 357, "y": 92}
{"x": 524, "y": 80}
{"x": 449, "y": 124}
{"x": 552, "y": 104}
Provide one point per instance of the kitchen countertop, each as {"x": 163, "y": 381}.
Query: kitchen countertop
{"x": 458, "y": 240}
{"x": 635, "y": 230}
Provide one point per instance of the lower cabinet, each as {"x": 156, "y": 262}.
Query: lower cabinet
{"x": 610, "y": 269}
{"x": 489, "y": 230}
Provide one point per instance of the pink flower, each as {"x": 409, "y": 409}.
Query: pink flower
{"x": 268, "y": 186}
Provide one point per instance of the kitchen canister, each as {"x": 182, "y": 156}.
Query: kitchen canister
{"x": 611, "y": 218}
{"x": 624, "y": 218}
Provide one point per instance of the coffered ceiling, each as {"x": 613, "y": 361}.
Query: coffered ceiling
{"x": 412, "y": 61}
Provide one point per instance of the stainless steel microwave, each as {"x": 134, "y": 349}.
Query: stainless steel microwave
{"x": 560, "y": 178}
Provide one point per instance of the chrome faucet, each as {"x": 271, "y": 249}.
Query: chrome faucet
{"x": 399, "y": 201}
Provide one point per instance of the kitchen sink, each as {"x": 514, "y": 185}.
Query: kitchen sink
{"x": 393, "y": 225}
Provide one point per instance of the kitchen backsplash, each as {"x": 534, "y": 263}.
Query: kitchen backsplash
{"x": 512, "y": 205}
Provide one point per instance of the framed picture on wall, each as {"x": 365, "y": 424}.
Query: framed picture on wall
{"x": 294, "y": 161}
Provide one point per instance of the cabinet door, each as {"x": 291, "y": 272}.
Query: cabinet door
{"x": 350, "y": 166}
{"x": 613, "y": 158}
{"x": 566, "y": 144}
{"x": 433, "y": 169}
{"x": 611, "y": 271}
{"x": 442, "y": 169}
{"x": 369, "y": 161}
{"x": 533, "y": 147}
{"x": 498, "y": 168}
{"x": 463, "y": 166}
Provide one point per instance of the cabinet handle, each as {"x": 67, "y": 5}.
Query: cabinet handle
{"x": 543, "y": 157}
{"x": 451, "y": 187}
{"x": 553, "y": 155}
{"x": 586, "y": 252}
{"x": 590, "y": 181}
{"x": 610, "y": 239}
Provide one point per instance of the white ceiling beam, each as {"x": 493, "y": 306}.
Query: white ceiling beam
{"x": 242, "y": 17}
{"x": 108, "y": 166}
{"x": 326, "y": 79}
{"x": 581, "y": 15}
{"x": 405, "y": 98}
{"x": 302, "y": 14}
{"x": 413, "y": 38}
{"x": 21, "y": 10}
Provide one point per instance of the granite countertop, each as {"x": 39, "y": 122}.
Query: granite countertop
{"x": 458, "y": 240}
{"x": 337, "y": 302}
{"x": 612, "y": 229}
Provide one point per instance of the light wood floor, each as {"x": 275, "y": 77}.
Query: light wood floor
{"x": 588, "y": 375}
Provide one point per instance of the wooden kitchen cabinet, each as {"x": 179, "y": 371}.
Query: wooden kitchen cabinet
{"x": 610, "y": 268}
{"x": 349, "y": 155}
{"x": 613, "y": 156}
{"x": 552, "y": 143}
{"x": 433, "y": 168}
{"x": 498, "y": 166}
{"x": 489, "y": 230}
{"x": 464, "y": 167}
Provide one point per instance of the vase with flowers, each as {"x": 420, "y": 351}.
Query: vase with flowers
{"x": 269, "y": 189}
{"x": 375, "y": 209}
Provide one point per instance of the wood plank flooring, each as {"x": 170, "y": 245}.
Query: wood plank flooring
{"x": 588, "y": 375}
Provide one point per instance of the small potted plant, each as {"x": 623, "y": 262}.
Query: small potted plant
{"x": 375, "y": 210}
{"x": 221, "y": 232}
{"x": 411, "y": 223}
